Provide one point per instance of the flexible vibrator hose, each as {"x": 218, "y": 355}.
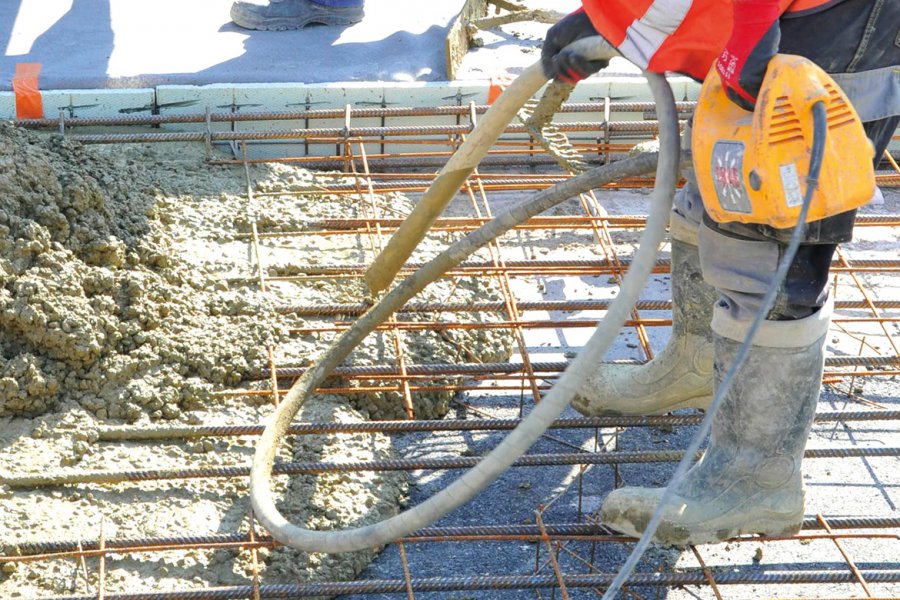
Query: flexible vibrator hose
{"x": 390, "y": 260}
{"x": 520, "y": 439}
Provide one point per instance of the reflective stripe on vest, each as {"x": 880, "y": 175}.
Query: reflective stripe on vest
{"x": 646, "y": 35}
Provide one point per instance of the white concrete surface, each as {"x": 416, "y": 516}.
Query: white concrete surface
{"x": 130, "y": 43}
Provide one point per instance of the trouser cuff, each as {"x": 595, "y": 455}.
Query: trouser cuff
{"x": 774, "y": 334}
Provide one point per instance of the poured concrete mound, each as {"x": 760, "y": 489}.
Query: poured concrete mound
{"x": 94, "y": 307}
{"x": 109, "y": 300}
{"x": 130, "y": 295}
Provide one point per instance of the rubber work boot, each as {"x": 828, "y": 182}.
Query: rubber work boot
{"x": 748, "y": 480}
{"x": 681, "y": 375}
{"x": 281, "y": 15}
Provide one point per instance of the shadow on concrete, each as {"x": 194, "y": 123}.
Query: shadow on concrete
{"x": 316, "y": 54}
{"x": 75, "y": 50}
{"x": 85, "y": 32}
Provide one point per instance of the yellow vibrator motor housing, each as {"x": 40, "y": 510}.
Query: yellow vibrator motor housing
{"x": 752, "y": 167}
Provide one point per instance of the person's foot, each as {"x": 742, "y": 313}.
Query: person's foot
{"x": 681, "y": 376}
{"x": 281, "y": 15}
{"x": 749, "y": 479}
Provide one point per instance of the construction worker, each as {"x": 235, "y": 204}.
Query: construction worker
{"x": 280, "y": 15}
{"x": 749, "y": 479}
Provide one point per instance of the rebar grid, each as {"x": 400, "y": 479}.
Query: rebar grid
{"x": 579, "y": 543}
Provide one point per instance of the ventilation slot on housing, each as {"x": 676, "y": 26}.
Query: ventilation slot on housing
{"x": 784, "y": 126}
{"x": 839, "y": 112}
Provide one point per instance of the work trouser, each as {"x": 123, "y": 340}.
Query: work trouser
{"x": 859, "y": 38}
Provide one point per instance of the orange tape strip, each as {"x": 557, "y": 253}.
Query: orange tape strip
{"x": 498, "y": 85}
{"x": 29, "y": 104}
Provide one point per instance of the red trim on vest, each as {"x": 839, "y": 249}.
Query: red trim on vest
{"x": 801, "y": 5}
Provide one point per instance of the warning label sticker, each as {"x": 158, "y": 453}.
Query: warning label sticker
{"x": 790, "y": 183}
{"x": 728, "y": 176}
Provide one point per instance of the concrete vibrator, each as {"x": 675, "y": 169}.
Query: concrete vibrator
{"x": 761, "y": 167}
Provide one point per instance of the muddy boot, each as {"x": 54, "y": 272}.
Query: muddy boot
{"x": 681, "y": 375}
{"x": 279, "y": 15}
{"x": 748, "y": 480}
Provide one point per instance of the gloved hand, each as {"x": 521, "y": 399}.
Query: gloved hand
{"x": 565, "y": 65}
{"x": 754, "y": 41}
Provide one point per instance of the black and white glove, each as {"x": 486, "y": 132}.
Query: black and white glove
{"x": 565, "y": 65}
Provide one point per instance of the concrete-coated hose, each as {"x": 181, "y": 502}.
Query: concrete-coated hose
{"x": 491, "y": 125}
{"x": 531, "y": 428}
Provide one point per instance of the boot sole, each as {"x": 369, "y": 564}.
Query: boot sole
{"x": 698, "y": 402}
{"x": 291, "y": 25}
{"x": 249, "y": 20}
{"x": 670, "y": 534}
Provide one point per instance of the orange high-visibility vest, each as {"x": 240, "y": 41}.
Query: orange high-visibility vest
{"x": 684, "y": 36}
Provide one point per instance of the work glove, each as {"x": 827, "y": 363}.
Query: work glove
{"x": 565, "y": 65}
{"x": 754, "y": 41}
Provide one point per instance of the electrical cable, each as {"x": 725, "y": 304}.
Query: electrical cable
{"x": 820, "y": 128}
